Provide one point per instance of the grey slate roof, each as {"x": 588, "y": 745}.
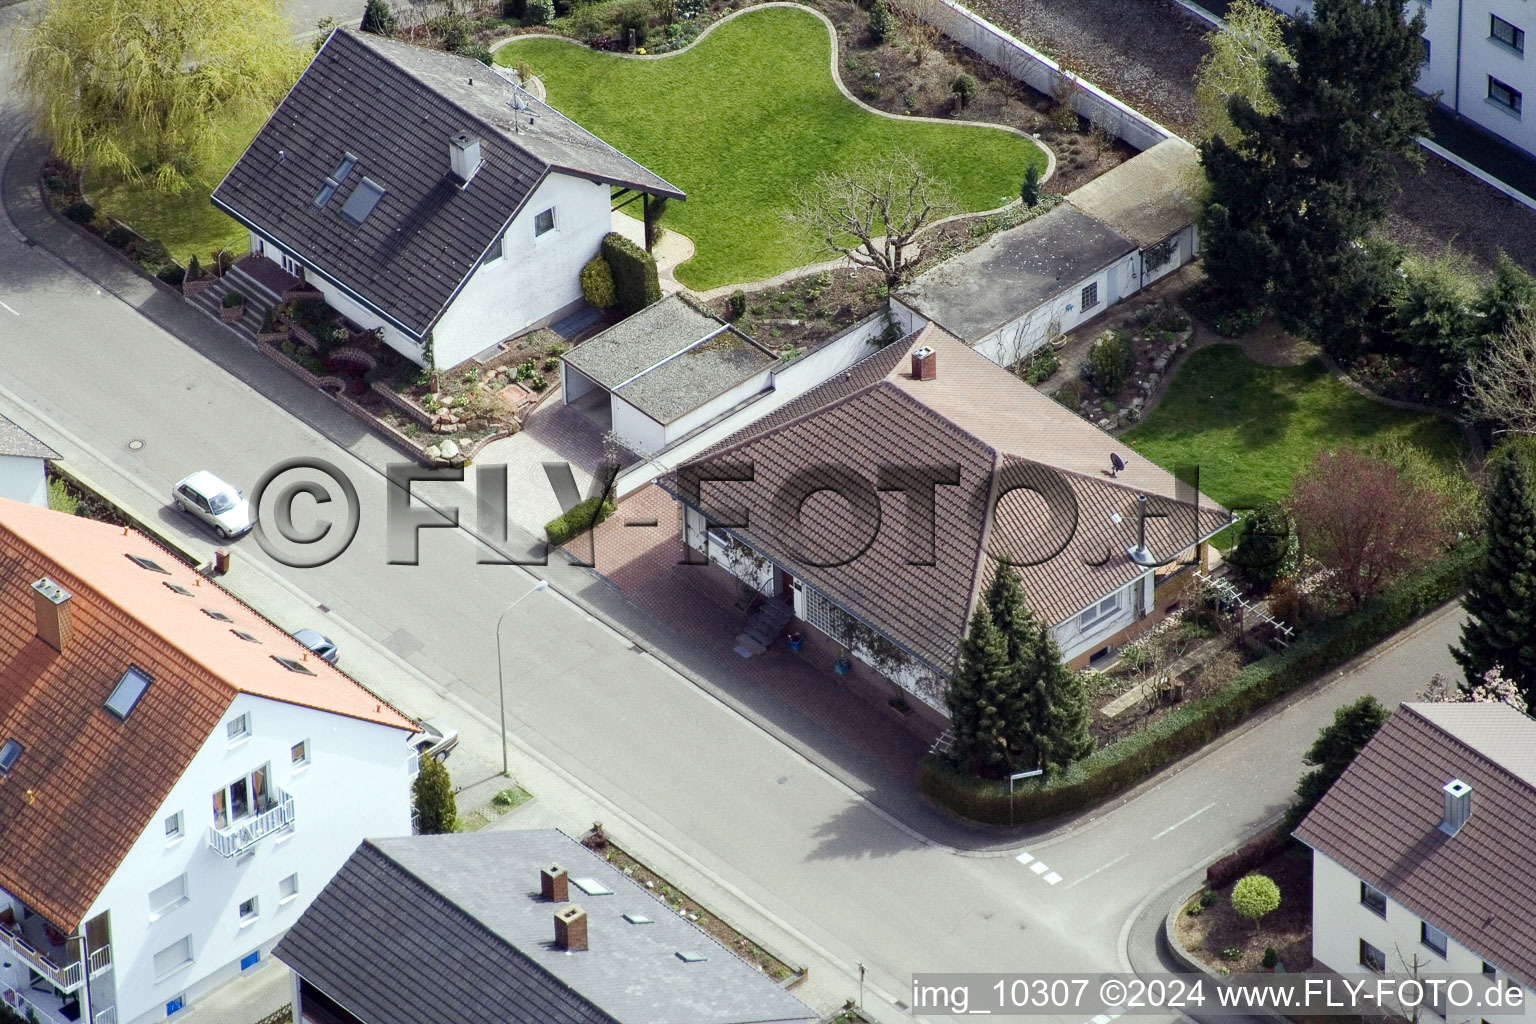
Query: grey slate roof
{"x": 394, "y": 106}
{"x": 452, "y": 928}
{"x": 16, "y": 441}
{"x": 977, "y": 292}
{"x": 660, "y": 362}
{"x": 1380, "y": 821}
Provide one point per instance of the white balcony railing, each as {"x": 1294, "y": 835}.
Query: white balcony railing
{"x": 100, "y": 960}
{"x": 242, "y": 835}
{"x": 107, "y": 1016}
{"x": 66, "y": 979}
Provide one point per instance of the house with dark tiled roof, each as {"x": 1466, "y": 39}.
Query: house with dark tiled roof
{"x": 178, "y": 776}
{"x": 1421, "y": 848}
{"x": 512, "y": 927}
{"x": 875, "y": 508}
{"x": 427, "y": 195}
{"x": 23, "y": 465}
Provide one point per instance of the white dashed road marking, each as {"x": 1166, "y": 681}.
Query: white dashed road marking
{"x": 1185, "y": 821}
{"x": 1024, "y": 858}
{"x": 1039, "y": 867}
{"x": 1052, "y": 878}
{"x": 1104, "y": 867}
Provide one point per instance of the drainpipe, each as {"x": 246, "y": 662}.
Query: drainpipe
{"x": 1456, "y": 96}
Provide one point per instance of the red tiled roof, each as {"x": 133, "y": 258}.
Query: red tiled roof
{"x": 1381, "y": 820}
{"x": 981, "y": 419}
{"x": 87, "y": 783}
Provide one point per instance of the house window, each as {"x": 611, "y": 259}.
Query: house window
{"x": 167, "y": 897}
{"x": 1090, "y": 296}
{"x": 175, "y": 828}
{"x": 1373, "y": 899}
{"x": 1490, "y": 970}
{"x": 1432, "y": 937}
{"x": 1425, "y": 41}
{"x": 218, "y": 615}
{"x": 1372, "y": 958}
{"x": 242, "y": 798}
{"x": 1501, "y": 31}
{"x": 126, "y": 694}
{"x": 175, "y": 1004}
{"x": 287, "y": 889}
{"x": 248, "y": 638}
{"x": 177, "y": 588}
{"x": 1099, "y": 612}
{"x": 362, "y": 201}
{"x": 146, "y": 563}
{"x": 239, "y": 728}
{"x": 544, "y": 222}
{"x": 1502, "y": 95}
{"x": 300, "y": 753}
{"x": 249, "y": 911}
{"x": 497, "y": 249}
{"x": 173, "y": 957}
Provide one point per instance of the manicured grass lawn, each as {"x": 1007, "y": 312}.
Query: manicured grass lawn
{"x": 741, "y": 119}
{"x": 1252, "y": 428}
{"x": 186, "y": 222}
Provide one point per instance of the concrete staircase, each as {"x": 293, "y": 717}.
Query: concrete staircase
{"x": 763, "y": 628}
{"x": 259, "y": 300}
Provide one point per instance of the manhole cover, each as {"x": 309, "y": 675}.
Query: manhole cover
{"x": 135, "y": 445}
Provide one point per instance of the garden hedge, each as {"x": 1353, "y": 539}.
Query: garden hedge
{"x": 635, "y": 281}
{"x": 1124, "y": 763}
{"x": 578, "y": 519}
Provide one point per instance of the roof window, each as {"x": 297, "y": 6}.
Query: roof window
{"x": 177, "y": 588}
{"x": 332, "y": 183}
{"x": 125, "y": 695}
{"x": 293, "y": 666}
{"x": 246, "y": 636}
{"x": 362, "y": 201}
{"x": 145, "y": 563}
{"x": 214, "y": 614}
{"x": 10, "y": 753}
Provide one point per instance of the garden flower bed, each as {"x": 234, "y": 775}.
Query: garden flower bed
{"x": 1211, "y": 931}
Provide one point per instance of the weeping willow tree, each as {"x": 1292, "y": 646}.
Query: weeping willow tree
{"x": 1237, "y": 65}
{"x": 146, "y": 88}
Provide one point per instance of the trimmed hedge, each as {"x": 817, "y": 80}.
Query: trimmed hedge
{"x": 635, "y": 282}
{"x": 1120, "y": 765}
{"x": 578, "y": 520}
{"x": 597, "y": 283}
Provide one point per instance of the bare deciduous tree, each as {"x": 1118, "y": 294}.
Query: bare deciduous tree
{"x": 1501, "y": 384}
{"x": 873, "y": 214}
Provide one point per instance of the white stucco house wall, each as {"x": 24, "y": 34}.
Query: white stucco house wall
{"x": 427, "y": 195}
{"x": 23, "y": 465}
{"x": 218, "y": 775}
{"x": 1401, "y": 846}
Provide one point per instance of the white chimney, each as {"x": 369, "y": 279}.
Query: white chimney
{"x": 464, "y": 157}
{"x": 1458, "y": 806}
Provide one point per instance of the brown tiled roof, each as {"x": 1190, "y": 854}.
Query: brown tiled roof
{"x": 87, "y": 783}
{"x": 979, "y": 418}
{"x": 1381, "y": 819}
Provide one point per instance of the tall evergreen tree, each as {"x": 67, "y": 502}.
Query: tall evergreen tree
{"x": 1048, "y": 713}
{"x": 1501, "y": 598}
{"x": 1293, "y": 198}
{"x": 977, "y": 701}
{"x": 1510, "y": 291}
{"x": 1334, "y": 750}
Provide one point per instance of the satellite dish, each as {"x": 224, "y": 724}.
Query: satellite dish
{"x": 1116, "y": 464}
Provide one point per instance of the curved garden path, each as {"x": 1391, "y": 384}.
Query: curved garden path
{"x": 841, "y": 262}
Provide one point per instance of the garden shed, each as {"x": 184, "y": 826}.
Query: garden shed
{"x": 661, "y": 374}
{"x": 1148, "y": 200}
{"x": 1027, "y": 285}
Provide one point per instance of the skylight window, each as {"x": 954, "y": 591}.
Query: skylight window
{"x": 637, "y": 919}
{"x": 246, "y": 636}
{"x": 332, "y": 183}
{"x": 591, "y": 886}
{"x": 212, "y": 614}
{"x": 690, "y": 958}
{"x": 144, "y": 563}
{"x": 179, "y": 589}
{"x": 125, "y": 695}
{"x": 362, "y": 201}
{"x": 293, "y": 666}
{"x": 10, "y": 753}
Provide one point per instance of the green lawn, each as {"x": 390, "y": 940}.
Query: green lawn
{"x": 186, "y": 222}
{"x": 741, "y": 119}
{"x": 1251, "y": 428}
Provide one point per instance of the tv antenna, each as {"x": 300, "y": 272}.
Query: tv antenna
{"x": 521, "y": 109}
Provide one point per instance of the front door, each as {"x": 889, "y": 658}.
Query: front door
{"x": 786, "y": 587}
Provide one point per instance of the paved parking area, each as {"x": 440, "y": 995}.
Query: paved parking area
{"x": 554, "y": 433}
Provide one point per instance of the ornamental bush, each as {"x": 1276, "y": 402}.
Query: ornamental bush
{"x": 539, "y": 12}
{"x": 635, "y": 281}
{"x": 1111, "y": 359}
{"x": 597, "y": 283}
{"x": 880, "y": 21}
{"x": 579, "y": 519}
{"x": 1254, "y": 896}
{"x": 737, "y": 304}
{"x": 233, "y": 299}
{"x": 81, "y": 212}
{"x": 379, "y": 18}
{"x": 964, "y": 87}
{"x": 432, "y": 793}
{"x": 119, "y": 237}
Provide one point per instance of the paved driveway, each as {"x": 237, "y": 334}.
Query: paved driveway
{"x": 554, "y": 433}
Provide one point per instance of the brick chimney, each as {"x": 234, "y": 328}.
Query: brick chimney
{"x": 571, "y": 928}
{"x": 554, "y": 883}
{"x": 51, "y": 603}
{"x": 925, "y": 364}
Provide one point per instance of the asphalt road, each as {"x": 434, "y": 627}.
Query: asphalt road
{"x": 93, "y": 357}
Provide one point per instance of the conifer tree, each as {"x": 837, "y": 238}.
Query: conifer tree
{"x": 1501, "y": 598}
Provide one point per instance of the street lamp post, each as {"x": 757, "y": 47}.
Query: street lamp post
{"x": 501, "y": 672}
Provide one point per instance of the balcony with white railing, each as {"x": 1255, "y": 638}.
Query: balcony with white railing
{"x": 37, "y": 951}
{"x": 99, "y": 960}
{"x": 243, "y": 834}
{"x": 107, "y": 1016}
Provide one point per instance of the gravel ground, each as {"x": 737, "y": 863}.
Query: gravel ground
{"x": 1146, "y": 53}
